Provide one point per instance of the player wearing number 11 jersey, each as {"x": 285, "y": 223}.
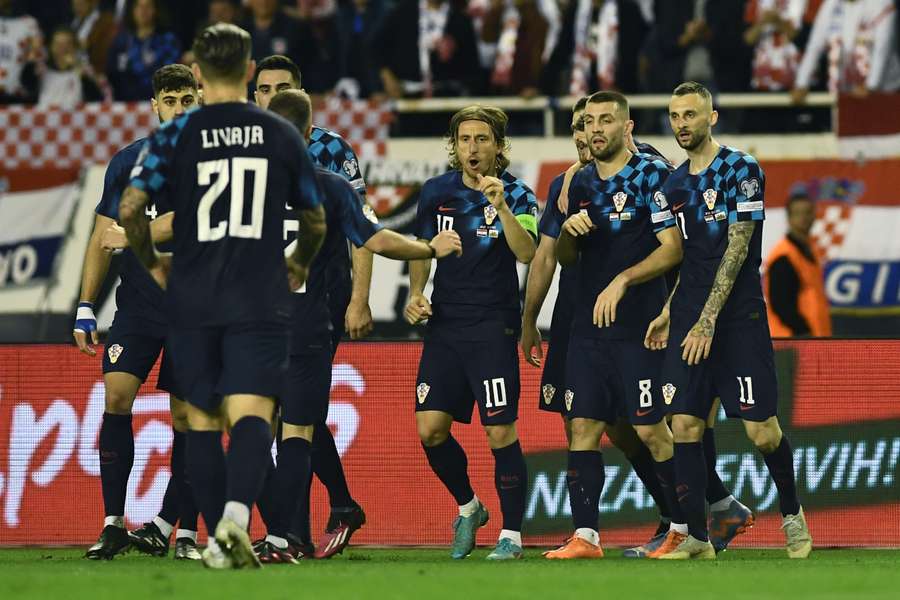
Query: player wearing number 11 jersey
{"x": 229, "y": 168}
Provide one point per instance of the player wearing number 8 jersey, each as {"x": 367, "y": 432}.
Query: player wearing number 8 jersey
{"x": 230, "y": 169}
{"x": 473, "y": 320}
{"x": 719, "y": 342}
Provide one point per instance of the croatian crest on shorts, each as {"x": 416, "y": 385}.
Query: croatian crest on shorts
{"x": 549, "y": 391}
{"x": 490, "y": 213}
{"x": 570, "y": 395}
{"x": 709, "y": 196}
{"x": 749, "y": 187}
{"x": 114, "y": 352}
{"x": 619, "y": 200}
{"x": 660, "y": 199}
{"x": 668, "y": 391}
{"x": 422, "y": 392}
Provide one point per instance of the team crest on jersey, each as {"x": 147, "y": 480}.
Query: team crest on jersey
{"x": 549, "y": 391}
{"x": 709, "y": 196}
{"x": 749, "y": 187}
{"x": 351, "y": 167}
{"x": 422, "y": 392}
{"x": 668, "y": 391}
{"x": 114, "y": 352}
{"x": 570, "y": 395}
{"x": 369, "y": 213}
{"x": 660, "y": 199}
{"x": 619, "y": 199}
{"x": 490, "y": 213}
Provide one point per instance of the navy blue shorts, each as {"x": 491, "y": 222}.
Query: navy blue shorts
{"x": 606, "y": 379}
{"x": 740, "y": 370}
{"x": 308, "y": 384}
{"x": 244, "y": 358}
{"x": 455, "y": 373}
{"x": 338, "y": 300}
{"x": 553, "y": 378}
{"x": 133, "y": 345}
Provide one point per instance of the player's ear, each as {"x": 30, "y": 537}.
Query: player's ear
{"x": 629, "y": 127}
{"x": 198, "y": 74}
{"x": 154, "y": 105}
{"x": 713, "y": 118}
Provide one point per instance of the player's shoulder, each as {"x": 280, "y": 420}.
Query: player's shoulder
{"x": 516, "y": 189}
{"x": 126, "y": 156}
{"x": 649, "y": 165}
{"x": 649, "y": 151}
{"x": 556, "y": 185}
{"x": 739, "y": 160}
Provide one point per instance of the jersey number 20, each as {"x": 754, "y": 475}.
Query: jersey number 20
{"x": 236, "y": 174}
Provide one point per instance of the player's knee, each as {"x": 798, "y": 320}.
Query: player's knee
{"x": 657, "y": 438}
{"x": 501, "y": 436}
{"x": 623, "y": 436}
{"x": 179, "y": 414}
{"x": 118, "y": 402}
{"x": 765, "y": 436}
{"x": 585, "y": 434}
{"x": 686, "y": 429}
{"x": 432, "y": 435}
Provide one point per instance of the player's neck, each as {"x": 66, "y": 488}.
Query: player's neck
{"x": 219, "y": 94}
{"x": 607, "y": 169}
{"x": 703, "y": 155}
{"x": 470, "y": 182}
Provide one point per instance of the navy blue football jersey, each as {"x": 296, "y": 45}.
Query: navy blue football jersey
{"x": 729, "y": 190}
{"x": 551, "y": 225}
{"x": 483, "y": 283}
{"x": 628, "y": 210}
{"x": 346, "y": 220}
{"x": 230, "y": 170}
{"x": 137, "y": 295}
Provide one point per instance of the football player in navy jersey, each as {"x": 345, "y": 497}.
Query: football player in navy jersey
{"x": 135, "y": 341}
{"x": 715, "y": 320}
{"x": 348, "y": 305}
{"x": 473, "y": 320}
{"x": 228, "y": 169}
{"x": 304, "y": 403}
{"x": 620, "y": 237}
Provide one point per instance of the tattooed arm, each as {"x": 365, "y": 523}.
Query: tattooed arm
{"x": 698, "y": 341}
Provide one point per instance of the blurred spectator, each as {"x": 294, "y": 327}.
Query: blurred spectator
{"x": 772, "y": 27}
{"x": 427, "y": 48}
{"x": 667, "y": 45}
{"x": 274, "y": 32}
{"x": 50, "y": 14}
{"x": 66, "y": 81}
{"x": 310, "y": 9}
{"x": 139, "y": 50}
{"x": 859, "y": 36}
{"x": 218, "y": 11}
{"x": 95, "y": 29}
{"x": 321, "y": 30}
{"x": 794, "y": 280}
{"x": 731, "y": 59}
{"x": 20, "y": 45}
{"x": 525, "y": 33}
{"x": 358, "y": 21}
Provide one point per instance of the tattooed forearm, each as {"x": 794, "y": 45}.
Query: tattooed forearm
{"x": 136, "y": 225}
{"x": 738, "y": 244}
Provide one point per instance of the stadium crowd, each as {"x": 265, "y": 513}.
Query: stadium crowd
{"x": 64, "y": 52}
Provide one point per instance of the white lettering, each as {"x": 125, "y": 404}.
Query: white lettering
{"x": 232, "y": 136}
{"x": 872, "y": 465}
{"x": 551, "y": 499}
{"x": 842, "y": 285}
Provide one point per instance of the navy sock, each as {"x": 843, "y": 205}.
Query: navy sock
{"x": 206, "y": 469}
{"x": 326, "y": 464}
{"x": 187, "y": 508}
{"x": 267, "y": 500}
{"x": 449, "y": 463}
{"x": 511, "y": 481}
{"x": 715, "y": 489}
{"x": 291, "y": 476}
{"x": 170, "y": 503}
{"x": 585, "y": 478}
{"x": 690, "y": 486}
{"x": 781, "y": 468}
{"x": 665, "y": 477}
{"x": 248, "y": 454}
{"x": 116, "y": 448}
{"x": 300, "y": 527}
{"x": 645, "y": 468}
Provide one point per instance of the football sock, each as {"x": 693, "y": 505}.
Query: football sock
{"x": 300, "y": 527}
{"x": 690, "y": 486}
{"x": 326, "y": 464}
{"x": 665, "y": 476}
{"x": 511, "y": 479}
{"x": 514, "y": 536}
{"x": 237, "y": 512}
{"x": 187, "y": 508}
{"x": 266, "y": 502}
{"x": 722, "y": 504}
{"x": 277, "y": 541}
{"x": 715, "y": 489}
{"x": 171, "y": 504}
{"x": 585, "y": 478}
{"x": 644, "y": 467}
{"x": 186, "y": 533}
{"x": 781, "y": 468}
{"x": 248, "y": 454}
{"x": 588, "y": 535}
{"x": 449, "y": 463}
{"x": 164, "y": 526}
{"x": 468, "y": 509}
{"x": 116, "y": 449}
{"x": 291, "y": 477}
{"x": 206, "y": 468}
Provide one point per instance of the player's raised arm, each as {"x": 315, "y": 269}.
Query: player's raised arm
{"x": 520, "y": 230}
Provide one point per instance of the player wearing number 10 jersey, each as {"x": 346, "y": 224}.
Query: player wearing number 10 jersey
{"x": 229, "y": 168}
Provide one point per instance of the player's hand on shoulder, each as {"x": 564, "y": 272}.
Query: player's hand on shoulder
{"x": 492, "y": 188}
{"x": 417, "y": 310}
{"x": 297, "y": 273}
{"x": 531, "y": 344}
{"x": 578, "y": 224}
{"x": 446, "y": 243}
{"x": 657, "y": 336}
{"x": 85, "y": 328}
{"x": 113, "y": 238}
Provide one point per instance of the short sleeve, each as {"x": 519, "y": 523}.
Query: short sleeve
{"x": 552, "y": 219}
{"x": 112, "y": 189}
{"x": 523, "y": 204}
{"x": 425, "y": 222}
{"x": 358, "y": 221}
{"x": 153, "y": 166}
{"x": 349, "y": 168}
{"x": 308, "y": 193}
{"x": 745, "y": 195}
{"x": 655, "y": 197}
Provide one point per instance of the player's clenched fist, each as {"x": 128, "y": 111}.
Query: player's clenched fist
{"x": 578, "y": 224}
{"x": 417, "y": 310}
{"x": 113, "y": 238}
{"x": 492, "y": 188}
{"x": 446, "y": 243}
{"x": 297, "y": 273}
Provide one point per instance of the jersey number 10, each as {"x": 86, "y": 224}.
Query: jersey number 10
{"x": 235, "y": 173}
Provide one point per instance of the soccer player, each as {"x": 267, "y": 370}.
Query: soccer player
{"x": 304, "y": 403}
{"x": 229, "y": 169}
{"x": 136, "y": 339}
{"x": 470, "y": 344}
{"x": 716, "y": 320}
{"x": 621, "y": 237}
{"x": 348, "y": 306}
{"x": 540, "y": 274}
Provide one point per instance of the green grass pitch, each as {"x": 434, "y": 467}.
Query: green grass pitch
{"x": 428, "y": 574}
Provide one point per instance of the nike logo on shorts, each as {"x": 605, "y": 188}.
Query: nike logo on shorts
{"x": 644, "y": 413}
{"x": 494, "y": 413}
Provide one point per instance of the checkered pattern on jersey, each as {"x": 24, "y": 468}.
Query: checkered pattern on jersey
{"x": 332, "y": 152}
{"x": 149, "y": 173}
{"x": 518, "y": 195}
